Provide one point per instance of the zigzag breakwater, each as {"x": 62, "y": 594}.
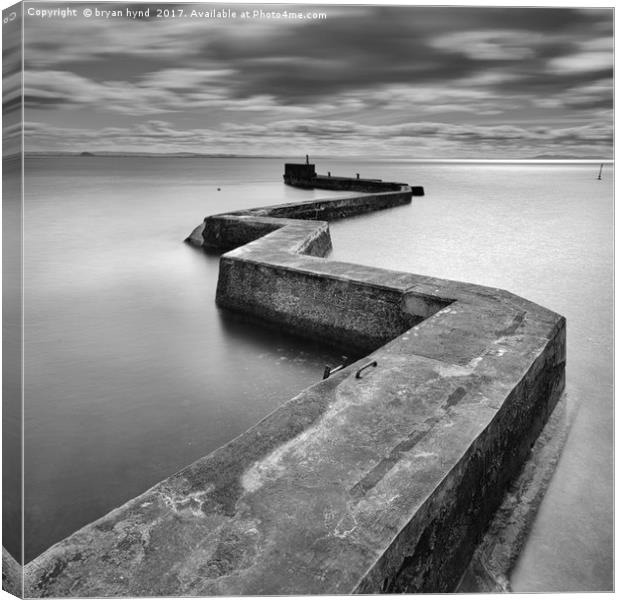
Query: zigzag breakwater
{"x": 382, "y": 477}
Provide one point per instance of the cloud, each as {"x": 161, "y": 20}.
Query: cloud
{"x": 11, "y": 138}
{"x": 182, "y": 78}
{"x": 170, "y": 90}
{"x": 184, "y": 90}
{"x": 63, "y": 89}
{"x": 351, "y": 50}
{"x": 414, "y": 46}
{"x": 588, "y": 97}
{"x": 50, "y": 44}
{"x": 463, "y": 133}
{"x": 493, "y": 45}
{"x": 463, "y": 79}
{"x": 328, "y": 137}
{"x": 582, "y": 62}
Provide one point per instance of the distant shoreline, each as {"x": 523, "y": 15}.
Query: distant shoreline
{"x": 536, "y": 160}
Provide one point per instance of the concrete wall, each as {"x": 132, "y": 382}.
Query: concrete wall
{"x": 299, "y": 174}
{"x": 370, "y": 186}
{"x": 355, "y": 316}
{"x": 305, "y": 176}
{"x": 375, "y": 481}
{"x": 339, "y": 208}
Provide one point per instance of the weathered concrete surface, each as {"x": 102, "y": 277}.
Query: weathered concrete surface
{"x": 383, "y": 483}
{"x": 11, "y": 574}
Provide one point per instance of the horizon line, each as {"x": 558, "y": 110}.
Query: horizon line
{"x": 110, "y": 154}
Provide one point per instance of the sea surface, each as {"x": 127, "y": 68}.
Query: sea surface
{"x": 131, "y": 371}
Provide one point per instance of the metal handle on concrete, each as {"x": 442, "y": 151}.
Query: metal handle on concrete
{"x": 329, "y": 371}
{"x": 358, "y": 375}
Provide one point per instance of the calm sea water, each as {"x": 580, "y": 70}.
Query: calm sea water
{"x": 132, "y": 372}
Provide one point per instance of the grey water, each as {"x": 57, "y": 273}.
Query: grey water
{"x": 131, "y": 371}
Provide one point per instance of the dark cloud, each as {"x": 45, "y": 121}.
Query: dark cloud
{"x": 34, "y": 101}
{"x": 397, "y": 45}
{"x": 354, "y": 48}
{"x": 373, "y": 77}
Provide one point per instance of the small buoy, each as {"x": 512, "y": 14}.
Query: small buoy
{"x": 219, "y": 189}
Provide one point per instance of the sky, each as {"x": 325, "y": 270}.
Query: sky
{"x": 374, "y": 81}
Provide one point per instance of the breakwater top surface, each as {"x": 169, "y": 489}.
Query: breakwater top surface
{"x": 380, "y": 478}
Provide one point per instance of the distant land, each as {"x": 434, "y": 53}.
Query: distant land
{"x": 550, "y": 158}
{"x": 103, "y": 153}
{"x": 566, "y": 157}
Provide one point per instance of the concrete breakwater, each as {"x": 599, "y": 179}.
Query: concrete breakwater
{"x": 374, "y": 480}
{"x": 272, "y": 276}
